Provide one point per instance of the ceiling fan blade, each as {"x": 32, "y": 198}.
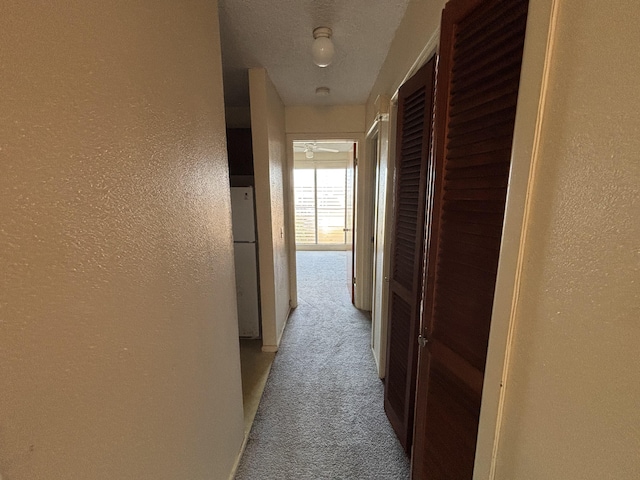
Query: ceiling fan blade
{"x": 322, "y": 149}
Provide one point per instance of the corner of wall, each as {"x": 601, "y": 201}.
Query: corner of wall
{"x": 269, "y": 148}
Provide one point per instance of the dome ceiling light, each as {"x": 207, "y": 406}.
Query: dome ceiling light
{"x": 322, "y": 48}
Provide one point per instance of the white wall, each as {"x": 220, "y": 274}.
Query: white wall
{"x": 336, "y": 119}
{"x": 573, "y": 385}
{"x": 419, "y": 24}
{"x": 269, "y": 157}
{"x": 118, "y": 352}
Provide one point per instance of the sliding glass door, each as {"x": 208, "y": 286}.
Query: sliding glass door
{"x": 321, "y": 206}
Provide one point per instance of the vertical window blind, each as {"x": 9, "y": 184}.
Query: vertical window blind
{"x": 320, "y": 205}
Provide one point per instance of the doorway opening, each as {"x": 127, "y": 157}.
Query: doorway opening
{"x": 324, "y": 193}
{"x": 347, "y": 223}
{"x": 323, "y": 173}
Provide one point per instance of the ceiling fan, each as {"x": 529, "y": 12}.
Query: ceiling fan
{"x": 310, "y": 148}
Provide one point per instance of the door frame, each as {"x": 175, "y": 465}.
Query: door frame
{"x": 386, "y": 126}
{"x": 362, "y": 211}
{"x": 378, "y": 154}
{"x": 527, "y": 140}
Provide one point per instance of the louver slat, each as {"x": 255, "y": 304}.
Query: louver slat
{"x": 408, "y": 186}
{"x": 478, "y": 80}
{"x": 396, "y": 384}
{"x": 413, "y": 147}
{"x": 490, "y": 37}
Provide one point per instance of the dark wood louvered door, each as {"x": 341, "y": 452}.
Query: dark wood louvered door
{"x": 478, "y": 77}
{"x": 413, "y": 147}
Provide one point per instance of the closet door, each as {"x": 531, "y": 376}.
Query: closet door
{"x": 413, "y": 147}
{"x": 477, "y": 88}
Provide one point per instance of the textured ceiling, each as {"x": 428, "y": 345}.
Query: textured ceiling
{"x": 277, "y": 35}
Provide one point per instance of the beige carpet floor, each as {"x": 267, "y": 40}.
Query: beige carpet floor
{"x": 321, "y": 415}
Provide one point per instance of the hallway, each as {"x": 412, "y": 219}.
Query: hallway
{"x": 321, "y": 415}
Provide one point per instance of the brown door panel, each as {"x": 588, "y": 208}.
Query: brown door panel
{"x": 477, "y": 89}
{"x": 413, "y": 155}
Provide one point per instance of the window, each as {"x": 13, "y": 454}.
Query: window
{"x": 321, "y": 189}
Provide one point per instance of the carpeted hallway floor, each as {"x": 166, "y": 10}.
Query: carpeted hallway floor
{"x": 321, "y": 415}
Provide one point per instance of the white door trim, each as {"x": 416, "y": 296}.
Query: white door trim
{"x": 526, "y": 142}
{"x": 364, "y": 208}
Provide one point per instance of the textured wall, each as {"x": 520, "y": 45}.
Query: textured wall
{"x": 336, "y": 119}
{"x": 420, "y": 21}
{"x": 118, "y": 351}
{"x": 572, "y": 394}
{"x": 269, "y": 154}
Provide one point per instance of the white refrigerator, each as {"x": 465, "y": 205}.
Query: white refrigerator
{"x": 245, "y": 253}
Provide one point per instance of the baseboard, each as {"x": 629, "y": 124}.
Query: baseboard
{"x": 236, "y": 464}
{"x": 377, "y": 362}
{"x": 286, "y": 320}
{"x": 274, "y": 348}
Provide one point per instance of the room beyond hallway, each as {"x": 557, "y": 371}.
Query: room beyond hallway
{"x": 321, "y": 415}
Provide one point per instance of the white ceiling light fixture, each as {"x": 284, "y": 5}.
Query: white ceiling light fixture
{"x": 322, "y": 48}
{"x": 323, "y": 91}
